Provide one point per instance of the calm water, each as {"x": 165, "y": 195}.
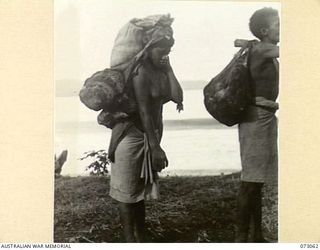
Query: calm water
{"x": 194, "y": 143}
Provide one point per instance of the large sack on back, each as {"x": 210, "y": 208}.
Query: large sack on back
{"x": 128, "y": 43}
{"x": 227, "y": 95}
{"x": 110, "y": 90}
{"x": 106, "y": 90}
{"x": 100, "y": 90}
{"x": 135, "y": 37}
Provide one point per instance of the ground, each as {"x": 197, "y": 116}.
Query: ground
{"x": 191, "y": 209}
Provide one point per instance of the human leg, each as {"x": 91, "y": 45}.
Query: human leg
{"x": 243, "y": 213}
{"x": 256, "y": 214}
{"x": 139, "y": 221}
{"x": 132, "y": 217}
{"x": 249, "y": 206}
{"x": 127, "y": 220}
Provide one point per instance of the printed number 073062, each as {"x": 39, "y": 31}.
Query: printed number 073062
{"x": 314, "y": 246}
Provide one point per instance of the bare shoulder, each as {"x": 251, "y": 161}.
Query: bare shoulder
{"x": 265, "y": 50}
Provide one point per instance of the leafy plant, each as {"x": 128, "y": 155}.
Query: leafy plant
{"x": 100, "y": 164}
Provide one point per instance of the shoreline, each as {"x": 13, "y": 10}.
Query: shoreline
{"x": 178, "y": 173}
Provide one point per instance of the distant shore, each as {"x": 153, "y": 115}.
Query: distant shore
{"x": 197, "y": 172}
{"x": 182, "y": 124}
{"x": 71, "y": 87}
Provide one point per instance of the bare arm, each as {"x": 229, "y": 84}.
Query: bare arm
{"x": 176, "y": 92}
{"x": 142, "y": 93}
{"x": 267, "y": 50}
{"x": 175, "y": 88}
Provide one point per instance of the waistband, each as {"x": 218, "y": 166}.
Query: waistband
{"x": 262, "y": 102}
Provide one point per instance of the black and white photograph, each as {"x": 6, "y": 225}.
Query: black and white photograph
{"x": 166, "y": 121}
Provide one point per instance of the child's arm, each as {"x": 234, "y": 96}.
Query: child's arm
{"x": 265, "y": 50}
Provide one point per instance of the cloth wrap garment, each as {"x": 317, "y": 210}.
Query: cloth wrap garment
{"x": 258, "y": 135}
{"x": 132, "y": 178}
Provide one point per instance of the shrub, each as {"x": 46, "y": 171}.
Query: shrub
{"x": 100, "y": 164}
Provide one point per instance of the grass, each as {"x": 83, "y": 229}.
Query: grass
{"x": 191, "y": 209}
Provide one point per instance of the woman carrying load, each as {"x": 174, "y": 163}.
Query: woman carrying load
{"x": 141, "y": 52}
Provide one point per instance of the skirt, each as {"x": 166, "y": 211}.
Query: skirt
{"x": 132, "y": 178}
{"x": 258, "y": 137}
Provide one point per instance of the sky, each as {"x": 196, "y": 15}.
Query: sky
{"x": 204, "y": 32}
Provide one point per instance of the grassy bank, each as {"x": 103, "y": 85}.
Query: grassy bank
{"x": 191, "y": 209}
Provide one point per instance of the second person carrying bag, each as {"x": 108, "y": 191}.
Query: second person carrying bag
{"x": 227, "y": 95}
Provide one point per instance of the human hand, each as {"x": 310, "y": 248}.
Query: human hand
{"x": 165, "y": 62}
{"x": 159, "y": 159}
{"x": 241, "y": 43}
{"x": 180, "y": 107}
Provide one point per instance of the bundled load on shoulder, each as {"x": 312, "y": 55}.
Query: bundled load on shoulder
{"x": 227, "y": 95}
{"x": 105, "y": 90}
{"x": 108, "y": 90}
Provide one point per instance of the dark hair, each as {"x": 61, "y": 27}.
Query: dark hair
{"x": 260, "y": 19}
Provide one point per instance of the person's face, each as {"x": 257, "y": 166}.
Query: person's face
{"x": 273, "y": 31}
{"x": 157, "y": 54}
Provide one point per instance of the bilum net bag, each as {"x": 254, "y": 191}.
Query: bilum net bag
{"x": 227, "y": 95}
